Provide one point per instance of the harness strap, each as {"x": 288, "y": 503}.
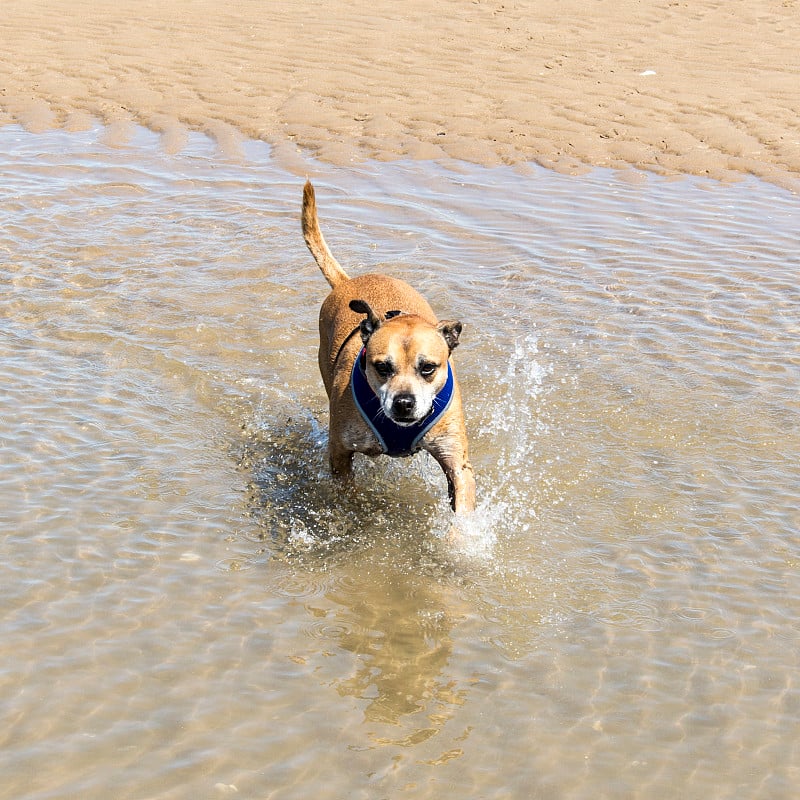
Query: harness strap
{"x": 394, "y": 439}
{"x": 347, "y": 339}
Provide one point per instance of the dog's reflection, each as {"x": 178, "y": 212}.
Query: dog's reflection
{"x": 399, "y": 626}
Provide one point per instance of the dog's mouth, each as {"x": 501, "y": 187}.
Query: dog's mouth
{"x": 403, "y": 421}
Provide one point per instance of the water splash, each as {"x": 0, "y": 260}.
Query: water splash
{"x": 510, "y": 419}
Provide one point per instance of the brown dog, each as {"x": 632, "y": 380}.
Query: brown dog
{"x": 384, "y": 359}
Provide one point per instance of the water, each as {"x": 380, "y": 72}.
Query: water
{"x": 190, "y": 608}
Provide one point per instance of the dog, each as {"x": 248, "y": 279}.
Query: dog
{"x": 385, "y": 362}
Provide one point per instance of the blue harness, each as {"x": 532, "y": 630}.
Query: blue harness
{"x": 394, "y": 439}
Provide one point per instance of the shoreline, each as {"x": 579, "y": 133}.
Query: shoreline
{"x": 670, "y": 89}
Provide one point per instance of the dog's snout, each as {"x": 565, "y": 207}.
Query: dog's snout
{"x": 403, "y": 405}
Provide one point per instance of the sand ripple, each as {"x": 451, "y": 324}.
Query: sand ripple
{"x": 703, "y": 88}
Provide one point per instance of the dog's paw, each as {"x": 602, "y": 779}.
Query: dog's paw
{"x": 470, "y": 535}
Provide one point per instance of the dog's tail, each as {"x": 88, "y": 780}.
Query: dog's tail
{"x": 331, "y": 268}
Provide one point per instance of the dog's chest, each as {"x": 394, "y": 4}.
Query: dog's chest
{"x": 357, "y": 436}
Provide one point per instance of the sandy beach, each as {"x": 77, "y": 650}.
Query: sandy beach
{"x": 705, "y": 88}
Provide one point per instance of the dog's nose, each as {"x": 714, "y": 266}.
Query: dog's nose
{"x": 403, "y": 406}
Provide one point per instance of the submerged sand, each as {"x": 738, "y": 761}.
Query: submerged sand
{"x": 697, "y": 87}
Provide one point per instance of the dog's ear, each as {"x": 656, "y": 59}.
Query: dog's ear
{"x": 451, "y": 330}
{"x": 368, "y": 325}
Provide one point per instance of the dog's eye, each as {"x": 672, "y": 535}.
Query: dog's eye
{"x": 383, "y": 368}
{"x": 427, "y": 370}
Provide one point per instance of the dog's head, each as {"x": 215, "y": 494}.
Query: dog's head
{"x": 406, "y": 360}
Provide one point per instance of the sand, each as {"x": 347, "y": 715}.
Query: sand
{"x": 700, "y": 87}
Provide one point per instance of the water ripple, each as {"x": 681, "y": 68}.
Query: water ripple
{"x": 179, "y": 568}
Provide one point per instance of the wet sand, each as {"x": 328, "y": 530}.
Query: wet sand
{"x": 672, "y": 87}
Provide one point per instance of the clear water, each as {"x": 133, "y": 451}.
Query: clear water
{"x": 190, "y": 608}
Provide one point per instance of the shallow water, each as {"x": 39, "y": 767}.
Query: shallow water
{"x": 190, "y": 609}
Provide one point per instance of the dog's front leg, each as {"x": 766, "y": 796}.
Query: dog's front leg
{"x": 462, "y": 480}
{"x": 341, "y": 462}
{"x": 460, "y": 477}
